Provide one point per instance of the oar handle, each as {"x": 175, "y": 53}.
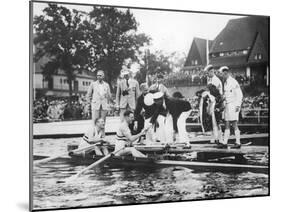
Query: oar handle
{"x": 91, "y": 166}
{"x": 46, "y": 160}
{"x": 99, "y": 161}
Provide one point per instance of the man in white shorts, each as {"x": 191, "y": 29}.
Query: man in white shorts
{"x": 233, "y": 100}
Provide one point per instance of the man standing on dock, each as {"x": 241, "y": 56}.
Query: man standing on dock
{"x": 233, "y": 100}
{"x": 127, "y": 93}
{"x": 216, "y": 82}
{"x": 99, "y": 95}
{"x": 212, "y": 78}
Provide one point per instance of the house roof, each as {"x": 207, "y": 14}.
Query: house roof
{"x": 240, "y": 34}
{"x": 200, "y": 45}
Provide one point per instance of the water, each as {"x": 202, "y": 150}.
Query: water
{"x": 113, "y": 186}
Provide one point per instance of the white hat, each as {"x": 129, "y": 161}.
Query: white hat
{"x": 158, "y": 95}
{"x": 223, "y": 68}
{"x": 153, "y": 88}
{"x": 148, "y": 99}
{"x": 208, "y": 67}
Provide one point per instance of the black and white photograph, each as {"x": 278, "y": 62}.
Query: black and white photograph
{"x": 133, "y": 105}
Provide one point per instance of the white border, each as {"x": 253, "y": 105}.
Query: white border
{"x": 14, "y": 104}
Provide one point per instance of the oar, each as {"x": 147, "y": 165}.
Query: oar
{"x": 74, "y": 177}
{"x": 46, "y": 160}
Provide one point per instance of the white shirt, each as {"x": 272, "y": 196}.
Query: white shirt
{"x": 232, "y": 92}
{"x": 216, "y": 82}
{"x": 93, "y": 135}
{"x": 102, "y": 89}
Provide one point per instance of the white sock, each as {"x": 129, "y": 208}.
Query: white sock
{"x": 220, "y": 136}
{"x": 215, "y": 132}
{"x": 237, "y": 136}
{"x": 226, "y": 136}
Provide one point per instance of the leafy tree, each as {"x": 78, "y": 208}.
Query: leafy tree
{"x": 116, "y": 39}
{"x": 73, "y": 41}
{"x": 60, "y": 37}
{"x": 154, "y": 63}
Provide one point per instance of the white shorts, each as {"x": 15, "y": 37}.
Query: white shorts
{"x": 119, "y": 144}
{"x": 230, "y": 113}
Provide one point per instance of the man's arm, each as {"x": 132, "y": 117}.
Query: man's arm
{"x": 137, "y": 90}
{"x": 89, "y": 94}
{"x": 130, "y": 137}
{"x": 109, "y": 96}
{"x": 118, "y": 95}
{"x": 238, "y": 94}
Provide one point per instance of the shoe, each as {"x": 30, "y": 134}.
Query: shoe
{"x": 222, "y": 146}
{"x": 236, "y": 146}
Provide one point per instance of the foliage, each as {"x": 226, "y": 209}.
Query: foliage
{"x": 73, "y": 41}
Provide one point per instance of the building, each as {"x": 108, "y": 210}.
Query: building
{"x": 197, "y": 57}
{"x": 243, "y": 46}
{"x": 58, "y": 85}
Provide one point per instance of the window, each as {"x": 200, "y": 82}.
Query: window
{"x": 258, "y": 56}
{"x": 195, "y": 62}
{"x": 60, "y": 80}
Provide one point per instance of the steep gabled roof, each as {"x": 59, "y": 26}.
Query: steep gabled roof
{"x": 240, "y": 34}
{"x": 198, "y": 48}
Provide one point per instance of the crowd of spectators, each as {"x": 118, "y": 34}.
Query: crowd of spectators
{"x": 62, "y": 109}
{"x": 185, "y": 79}
{"x": 177, "y": 79}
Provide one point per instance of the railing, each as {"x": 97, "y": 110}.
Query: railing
{"x": 195, "y": 115}
{"x": 257, "y": 115}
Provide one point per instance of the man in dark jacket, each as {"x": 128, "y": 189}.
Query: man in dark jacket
{"x": 145, "y": 108}
{"x": 171, "y": 115}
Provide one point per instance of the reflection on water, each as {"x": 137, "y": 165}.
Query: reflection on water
{"x": 110, "y": 185}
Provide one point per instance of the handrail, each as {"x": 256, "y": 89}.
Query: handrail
{"x": 258, "y": 116}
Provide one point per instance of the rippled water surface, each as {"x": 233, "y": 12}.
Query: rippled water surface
{"x": 110, "y": 185}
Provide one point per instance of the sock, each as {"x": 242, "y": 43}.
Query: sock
{"x": 220, "y": 136}
{"x": 215, "y": 132}
{"x": 237, "y": 136}
{"x": 226, "y": 136}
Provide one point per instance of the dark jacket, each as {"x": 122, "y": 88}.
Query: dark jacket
{"x": 148, "y": 110}
{"x": 139, "y": 117}
{"x": 175, "y": 107}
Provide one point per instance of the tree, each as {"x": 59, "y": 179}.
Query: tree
{"x": 154, "y": 63}
{"x": 60, "y": 36}
{"x": 116, "y": 39}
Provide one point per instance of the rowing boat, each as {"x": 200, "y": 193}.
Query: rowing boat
{"x": 202, "y": 156}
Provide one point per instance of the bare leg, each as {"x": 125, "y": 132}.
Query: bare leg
{"x": 98, "y": 151}
{"x": 95, "y": 115}
{"x": 236, "y": 132}
{"x": 226, "y": 132}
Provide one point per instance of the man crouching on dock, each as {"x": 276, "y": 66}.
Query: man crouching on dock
{"x": 125, "y": 138}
